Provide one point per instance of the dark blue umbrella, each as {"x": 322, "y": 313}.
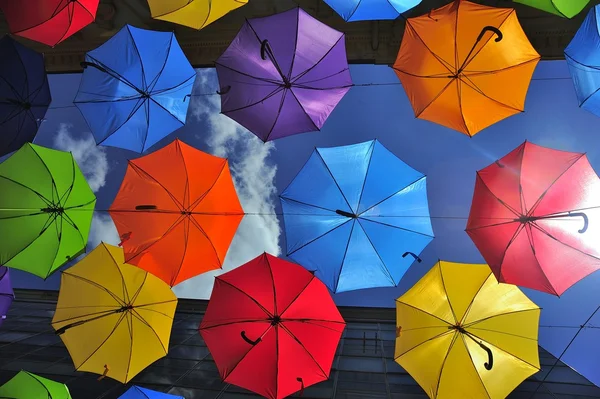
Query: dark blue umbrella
{"x": 136, "y": 392}
{"x": 134, "y": 88}
{"x": 583, "y": 59}
{"x": 24, "y": 94}
{"x": 356, "y": 215}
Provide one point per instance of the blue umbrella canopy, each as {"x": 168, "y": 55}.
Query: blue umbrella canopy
{"x": 364, "y": 10}
{"x": 136, "y": 392}
{"x": 134, "y": 88}
{"x": 356, "y": 215}
{"x": 583, "y": 59}
{"x": 24, "y": 94}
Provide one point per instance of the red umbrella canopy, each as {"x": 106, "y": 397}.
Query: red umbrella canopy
{"x": 271, "y": 327}
{"x": 535, "y": 218}
{"x": 48, "y": 21}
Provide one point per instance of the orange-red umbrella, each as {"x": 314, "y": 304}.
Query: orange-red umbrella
{"x": 177, "y": 212}
{"x": 466, "y": 66}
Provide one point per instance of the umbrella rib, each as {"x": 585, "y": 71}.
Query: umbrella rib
{"x": 40, "y": 382}
{"x": 333, "y": 178}
{"x": 446, "y": 291}
{"x": 248, "y": 296}
{"x": 271, "y": 81}
{"x": 154, "y": 81}
{"x": 137, "y": 308}
{"x": 460, "y": 105}
{"x": 501, "y": 332}
{"x": 146, "y": 105}
{"x": 362, "y": 190}
{"x": 269, "y": 52}
{"x": 597, "y": 68}
{"x": 391, "y": 195}
{"x": 315, "y": 239}
{"x": 296, "y": 84}
{"x": 396, "y": 227}
{"x": 70, "y": 13}
{"x": 145, "y": 86}
{"x": 284, "y": 328}
{"x": 49, "y": 172}
{"x": 141, "y": 319}
{"x": 510, "y": 208}
{"x": 298, "y": 295}
{"x": 310, "y": 321}
{"x": 172, "y": 11}
{"x": 307, "y": 71}
{"x": 54, "y": 14}
{"x": 186, "y": 228}
{"x": 167, "y": 89}
{"x": 113, "y": 74}
{"x": 417, "y": 115}
{"x": 543, "y": 231}
{"x": 281, "y": 104}
{"x": 171, "y": 228}
{"x": 230, "y": 323}
{"x": 93, "y": 283}
{"x": 302, "y": 106}
{"x": 311, "y": 205}
{"x": 473, "y": 300}
{"x": 469, "y": 74}
{"x": 532, "y": 247}
{"x": 266, "y": 258}
{"x": 102, "y": 343}
{"x": 442, "y": 62}
{"x": 166, "y": 110}
{"x": 244, "y": 356}
{"x": 148, "y": 175}
{"x": 505, "y": 351}
{"x": 425, "y": 342}
{"x": 387, "y": 271}
{"x": 474, "y": 323}
{"x": 198, "y": 200}
{"x": 278, "y": 89}
{"x": 337, "y": 281}
{"x": 134, "y": 110}
{"x": 472, "y": 85}
{"x": 473, "y": 363}
{"x": 207, "y": 14}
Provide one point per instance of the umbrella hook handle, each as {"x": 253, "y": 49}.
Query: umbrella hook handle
{"x": 264, "y": 46}
{"x": 490, "y": 362}
{"x": 490, "y": 29}
{"x": 245, "y": 337}
{"x": 413, "y": 255}
{"x": 223, "y": 91}
{"x": 299, "y": 379}
{"x": 85, "y": 64}
{"x": 585, "y": 221}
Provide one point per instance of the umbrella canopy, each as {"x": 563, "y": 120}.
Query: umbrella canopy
{"x": 562, "y": 8}
{"x": 354, "y": 214}
{"x": 460, "y": 334}
{"x": 46, "y": 210}
{"x": 134, "y": 88}
{"x": 26, "y": 385}
{"x": 470, "y": 75}
{"x": 177, "y": 212}
{"x": 283, "y": 74}
{"x": 535, "y": 218}
{"x": 48, "y": 21}
{"x": 271, "y": 327}
{"x": 114, "y": 318}
{"x": 136, "y": 392}
{"x": 583, "y": 59}
{"x": 364, "y": 10}
{"x": 6, "y": 293}
{"x": 24, "y": 94}
{"x": 195, "y": 14}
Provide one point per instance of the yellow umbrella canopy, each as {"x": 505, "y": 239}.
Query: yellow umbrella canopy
{"x": 192, "y": 13}
{"x": 114, "y": 318}
{"x": 461, "y": 334}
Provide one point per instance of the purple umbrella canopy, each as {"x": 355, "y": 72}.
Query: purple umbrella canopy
{"x": 283, "y": 74}
{"x": 6, "y": 293}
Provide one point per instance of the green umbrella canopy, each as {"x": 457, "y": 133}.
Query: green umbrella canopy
{"x": 26, "y": 385}
{"x": 563, "y": 8}
{"x": 46, "y": 209}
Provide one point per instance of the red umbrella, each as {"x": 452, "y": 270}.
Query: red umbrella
{"x": 535, "y": 218}
{"x": 48, "y": 21}
{"x": 271, "y": 327}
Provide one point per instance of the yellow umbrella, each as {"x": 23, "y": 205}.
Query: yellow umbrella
{"x": 193, "y": 13}
{"x": 461, "y": 334}
{"x": 114, "y": 318}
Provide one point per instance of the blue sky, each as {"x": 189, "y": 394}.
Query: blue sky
{"x": 449, "y": 159}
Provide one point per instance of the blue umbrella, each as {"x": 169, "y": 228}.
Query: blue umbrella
{"x": 364, "y": 10}
{"x": 24, "y": 94}
{"x": 583, "y": 59}
{"x": 136, "y": 392}
{"x": 134, "y": 88}
{"x": 356, "y": 215}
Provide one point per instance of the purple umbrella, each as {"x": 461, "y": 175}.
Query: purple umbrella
{"x": 283, "y": 74}
{"x": 6, "y": 293}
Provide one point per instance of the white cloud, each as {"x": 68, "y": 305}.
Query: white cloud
{"x": 93, "y": 162}
{"x": 92, "y": 159}
{"x": 254, "y": 179}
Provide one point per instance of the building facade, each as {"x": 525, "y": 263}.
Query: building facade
{"x": 363, "y": 368}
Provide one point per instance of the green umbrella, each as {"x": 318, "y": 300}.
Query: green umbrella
{"x": 26, "y": 385}
{"x": 563, "y": 8}
{"x": 46, "y": 209}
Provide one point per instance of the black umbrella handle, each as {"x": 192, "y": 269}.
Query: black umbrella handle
{"x": 245, "y": 337}
{"x": 85, "y": 64}
{"x": 301, "y": 381}
{"x": 224, "y": 90}
{"x": 490, "y": 362}
{"x": 264, "y": 47}
{"x": 490, "y": 29}
{"x": 413, "y": 255}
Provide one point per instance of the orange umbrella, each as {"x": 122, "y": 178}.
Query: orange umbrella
{"x": 177, "y": 212}
{"x": 466, "y": 66}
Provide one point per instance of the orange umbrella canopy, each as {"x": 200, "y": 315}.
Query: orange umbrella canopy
{"x": 466, "y": 66}
{"x": 177, "y": 211}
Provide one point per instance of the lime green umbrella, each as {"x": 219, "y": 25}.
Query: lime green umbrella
{"x": 46, "y": 209}
{"x": 26, "y": 385}
{"x": 563, "y": 8}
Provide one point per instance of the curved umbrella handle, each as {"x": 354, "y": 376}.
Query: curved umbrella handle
{"x": 299, "y": 379}
{"x": 491, "y": 29}
{"x": 490, "y": 362}
{"x": 413, "y": 255}
{"x": 85, "y": 64}
{"x": 263, "y": 49}
{"x": 243, "y": 334}
{"x": 585, "y": 221}
{"x": 344, "y": 213}
{"x": 225, "y": 90}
